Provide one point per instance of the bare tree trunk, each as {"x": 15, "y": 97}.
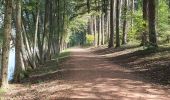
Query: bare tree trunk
{"x": 91, "y": 25}
{"x": 125, "y": 7}
{"x": 46, "y": 30}
{"x": 108, "y": 28}
{"x": 18, "y": 46}
{"x": 27, "y": 47}
{"x": 117, "y": 23}
{"x": 152, "y": 23}
{"x": 99, "y": 30}
{"x": 111, "y": 40}
{"x": 95, "y": 31}
{"x": 6, "y": 42}
{"x": 132, "y": 12}
{"x": 102, "y": 28}
{"x": 106, "y": 25}
{"x": 35, "y": 38}
{"x": 145, "y": 18}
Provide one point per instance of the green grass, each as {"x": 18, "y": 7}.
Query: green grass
{"x": 2, "y": 91}
{"x": 52, "y": 65}
{"x": 62, "y": 55}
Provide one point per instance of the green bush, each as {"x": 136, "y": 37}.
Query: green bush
{"x": 89, "y": 39}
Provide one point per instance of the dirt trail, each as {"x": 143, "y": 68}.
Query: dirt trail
{"x": 88, "y": 76}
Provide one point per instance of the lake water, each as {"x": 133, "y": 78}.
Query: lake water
{"x": 11, "y": 64}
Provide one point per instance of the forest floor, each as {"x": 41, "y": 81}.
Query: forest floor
{"x": 98, "y": 74}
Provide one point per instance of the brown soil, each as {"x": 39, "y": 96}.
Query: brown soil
{"x": 88, "y": 75}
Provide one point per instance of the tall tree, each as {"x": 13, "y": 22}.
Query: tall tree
{"x": 6, "y": 42}
{"x": 102, "y": 29}
{"x": 18, "y": 45}
{"x": 111, "y": 40}
{"x": 35, "y": 35}
{"x": 152, "y": 22}
{"x": 117, "y": 23}
{"x": 145, "y": 18}
{"x": 99, "y": 30}
{"x": 95, "y": 31}
{"x": 45, "y": 40}
{"x": 132, "y": 12}
{"x": 125, "y": 8}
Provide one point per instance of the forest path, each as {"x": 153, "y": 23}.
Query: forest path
{"x": 88, "y": 76}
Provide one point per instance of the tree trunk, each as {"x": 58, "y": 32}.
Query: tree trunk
{"x": 46, "y": 30}
{"x": 152, "y": 23}
{"x": 18, "y": 46}
{"x": 95, "y": 31}
{"x": 125, "y": 7}
{"x": 6, "y": 42}
{"x": 99, "y": 30}
{"x": 117, "y": 23}
{"x": 106, "y": 25}
{"x": 132, "y": 12}
{"x": 102, "y": 28}
{"x": 111, "y": 40}
{"x": 35, "y": 37}
{"x": 27, "y": 47}
{"x": 145, "y": 15}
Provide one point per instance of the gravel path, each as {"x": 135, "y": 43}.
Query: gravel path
{"x": 88, "y": 76}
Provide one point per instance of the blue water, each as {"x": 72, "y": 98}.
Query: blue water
{"x": 11, "y": 64}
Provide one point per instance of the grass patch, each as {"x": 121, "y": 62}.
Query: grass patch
{"x": 62, "y": 55}
{"x": 2, "y": 91}
{"x": 50, "y": 66}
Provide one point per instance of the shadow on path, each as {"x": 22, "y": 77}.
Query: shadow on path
{"x": 88, "y": 76}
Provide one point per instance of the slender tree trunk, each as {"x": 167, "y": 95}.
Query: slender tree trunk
{"x": 145, "y": 18}
{"x": 99, "y": 30}
{"x": 6, "y": 42}
{"x": 106, "y": 25}
{"x": 132, "y": 12}
{"x": 117, "y": 23}
{"x": 152, "y": 23}
{"x": 27, "y": 47}
{"x": 88, "y": 5}
{"x": 95, "y": 31}
{"x": 125, "y": 7}
{"x": 108, "y": 28}
{"x": 46, "y": 29}
{"x": 102, "y": 28}
{"x": 90, "y": 26}
{"x": 51, "y": 31}
{"x": 35, "y": 37}
{"x": 111, "y": 40}
{"x": 18, "y": 46}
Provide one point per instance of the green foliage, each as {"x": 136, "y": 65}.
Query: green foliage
{"x": 138, "y": 26}
{"x": 63, "y": 55}
{"x": 29, "y": 6}
{"x": 77, "y": 30}
{"x": 78, "y": 24}
{"x": 89, "y": 40}
{"x": 163, "y": 20}
{"x": 77, "y": 39}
